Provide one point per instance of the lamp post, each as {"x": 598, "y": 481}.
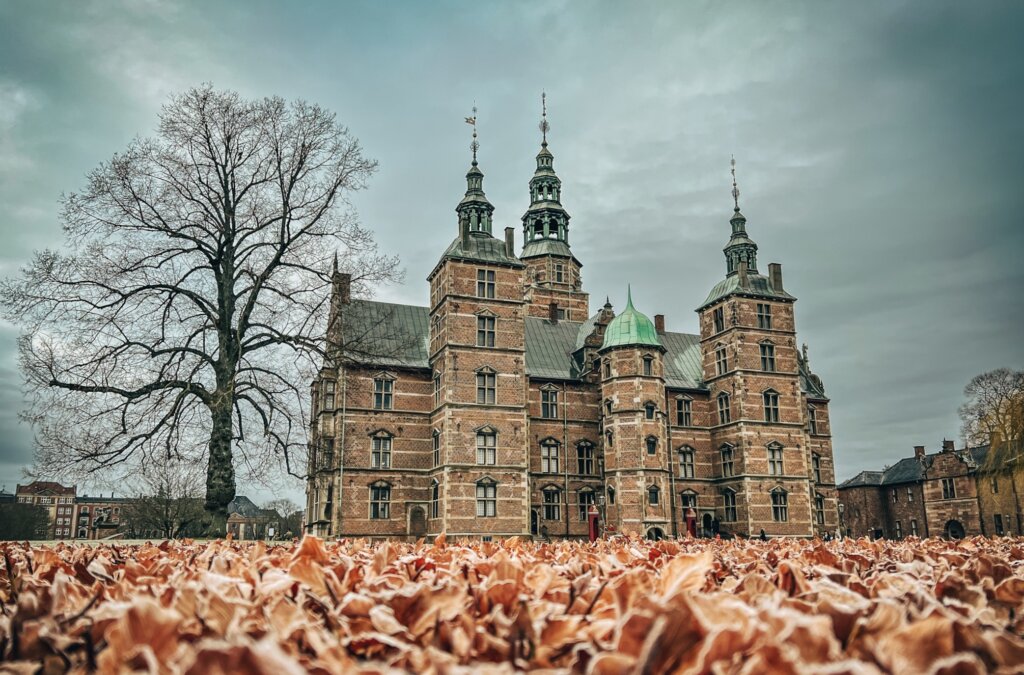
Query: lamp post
{"x": 842, "y": 528}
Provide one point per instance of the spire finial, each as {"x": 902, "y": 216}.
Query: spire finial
{"x": 735, "y": 189}
{"x": 544, "y": 126}
{"x": 629, "y": 295}
{"x": 475, "y": 145}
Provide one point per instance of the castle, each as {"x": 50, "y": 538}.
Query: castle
{"x": 505, "y": 408}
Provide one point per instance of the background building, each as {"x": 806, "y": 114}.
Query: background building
{"x": 505, "y": 407}
{"x": 59, "y": 502}
{"x": 942, "y": 494}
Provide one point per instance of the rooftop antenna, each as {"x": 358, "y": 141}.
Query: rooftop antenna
{"x": 735, "y": 188}
{"x": 475, "y": 145}
{"x": 544, "y": 126}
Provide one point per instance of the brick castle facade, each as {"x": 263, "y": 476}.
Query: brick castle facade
{"x": 506, "y": 408}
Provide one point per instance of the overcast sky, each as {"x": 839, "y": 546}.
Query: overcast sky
{"x": 879, "y": 149}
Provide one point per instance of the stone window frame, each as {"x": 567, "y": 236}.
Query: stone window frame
{"x": 559, "y": 273}
{"x": 551, "y": 501}
{"x": 329, "y": 389}
{"x": 721, "y": 359}
{"x": 913, "y": 527}
{"x": 812, "y": 420}
{"x": 647, "y": 365}
{"x": 718, "y": 317}
{"x": 724, "y": 408}
{"x": 435, "y": 448}
{"x": 994, "y": 484}
{"x": 819, "y": 508}
{"x": 684, "y": 411}
{"x": 651, "y": 443}
{"x": 380, "y": 452}
{"x": 486, "y": 386}
{"x": 780, "y": 505}
{"x": 728, "y": 458}
{"x": 607, "y": 368}
{"x": 486, "y": 282}
{"x": 910, "y": 495}
{"x": 816, "y": 466}
{"x": 770, "y": 402}
{"x": 549, "y": 407}
{"x": 608, "y": 406}
{"x": 609, "y": 439}
{"x": 895, "y": 493}
{"x": 687, "y": 462}
{"x": 776, "y": 459}
{"x": 486, "y": 495}
{"x": 586, "y": 455}
{"x": 767, "y": 350}
{"x": 384, "y": 391}
{"x": 948, "y": 488}
{"x": 486, "y": 445}
{"x": 437, "y": 389}
{"x": 650, "y": 410}
{"x": 325, "y": 455}
{"x": 582, "y": 505}
{"x": 997, "y": 524}
{"x": 729, "y": 514}
{"x": 486, "y": 328}
{"x": 688, "y": 499}
{"x": 380, "y": 500}
{"x": 550, "y": 449}
{"x": 898, "y": 530}
{"x": 653, "y": 495}
{"x": 611, "y": 494}
{"x": 764, "y": 316}
{"x": 435, "y": 498}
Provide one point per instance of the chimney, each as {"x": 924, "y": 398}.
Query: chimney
{"x": 775, "y": 276}
{"x": 510, "y": 242}
{"x": 553, "y": 312}
{"x": 743, "y": 274}
{"x": 659, "y": 323}
{"x": 947, "y": 446}
{"x": 919, "y": 451}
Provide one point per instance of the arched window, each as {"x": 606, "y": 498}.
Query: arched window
{"x": 780, "y": 505}
{"x": 649, "y": 409}
{"x": 724, "y": 412}
{"x": 771, "y": 405}
{"x": 652, "y": 445}
{"x": 648, "y": 366}
{"x": 727, "y": 461}
{"x": 653, "y": 495}
{"x": 686, "y": 462}
{"x": 549, "y": 456}
{"x": 435, "y": 499}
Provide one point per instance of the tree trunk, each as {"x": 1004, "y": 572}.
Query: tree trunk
{"x": 220, "y": 470}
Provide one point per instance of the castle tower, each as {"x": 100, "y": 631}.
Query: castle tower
{"x": 477, "y": 357}
{"x": 554, "y": 286}
{"x": 639, "y": 496}
{"x": 757, "y": 408}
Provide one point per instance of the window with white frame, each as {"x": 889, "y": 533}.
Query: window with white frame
{"x": 816, "y": 466}
{"x": 485, "y": 331}
{"x": 686, "y": 462}
{"x": 380, "y": 501}
{"x": 727, "y": 461}
{"x": 485, "y": 283}
{"x": 380, "y": 452}
{"x": 729, "y": 499}
{"x": 383, "y": 393}
{"x": 724, "y": 412}
{"x": 771, "y": 405}
{"x": 721, "y": 360}
{"x": 585, "y": 459}
{"x": 549, "y": 403}
{"x": 688, "y": 500}
{"x": 913, "y": 527}
{"x": 899, "y": 530}
{"x": 486, "y": 386}
{"x": 549, "y": 456}
{"x": 437, "y": 389}
{"x": 684, "y": 412}
{"x": 780, "y": 505}
{"x": 486, "y": 447}
{"x": 486, "y": 499}
{"x": 552, "y": 503}
{"x": 768, "y": 357}
{"x": 764, "y": 316}
{"x": 819, "y": 508}
{"x": 910, "y": 495}
{"x": 328, "y": 402}
{"x": 775, "y": 467}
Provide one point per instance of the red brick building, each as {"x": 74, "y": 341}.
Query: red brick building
{"x": 505, "y": 407}
{"x": 946, "y": 494}
{"x": 59, "y": 502}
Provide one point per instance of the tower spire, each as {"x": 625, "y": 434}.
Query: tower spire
{"x": 740, "y": 249}
{"x": 545, "y": 223}
{"x": 544, "y": 126}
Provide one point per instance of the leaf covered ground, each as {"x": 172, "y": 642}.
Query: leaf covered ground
{"x": 782, "y": 606}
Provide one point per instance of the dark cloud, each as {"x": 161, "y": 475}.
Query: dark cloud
{"x": 877, "y": 143}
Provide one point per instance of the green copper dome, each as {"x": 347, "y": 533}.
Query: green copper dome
{"x": 630, "y": 328}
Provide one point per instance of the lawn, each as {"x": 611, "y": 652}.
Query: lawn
{"x": 783, "y": 606}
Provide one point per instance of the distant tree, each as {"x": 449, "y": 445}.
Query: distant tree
{"x": 184, "y": 317}
{"x": 23, "y": 521}
{"x": 291, "y": 515}
{"x": 170, "y": 505}
{"x": 993, "y": 414}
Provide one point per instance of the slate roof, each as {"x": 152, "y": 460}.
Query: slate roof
{"x": 908, "y": 470}
{"x": 244, "y": 507}
{"x": 45, "y": 487}
{"x": 862, "y": 479}
{"x": 546, "y": 247}
{"x": 757, "y": 286}
{"x": 386, "y": 334}
{"x": 481, "y": 247}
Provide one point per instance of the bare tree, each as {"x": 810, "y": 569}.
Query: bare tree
{"x": 169, "y": 503}
{"x": 291, "y": 515}
{"x": 994, "y": 413}
{"x": 187, "y": 313}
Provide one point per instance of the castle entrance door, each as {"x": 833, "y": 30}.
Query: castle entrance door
{"x": 954, "y": 530}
